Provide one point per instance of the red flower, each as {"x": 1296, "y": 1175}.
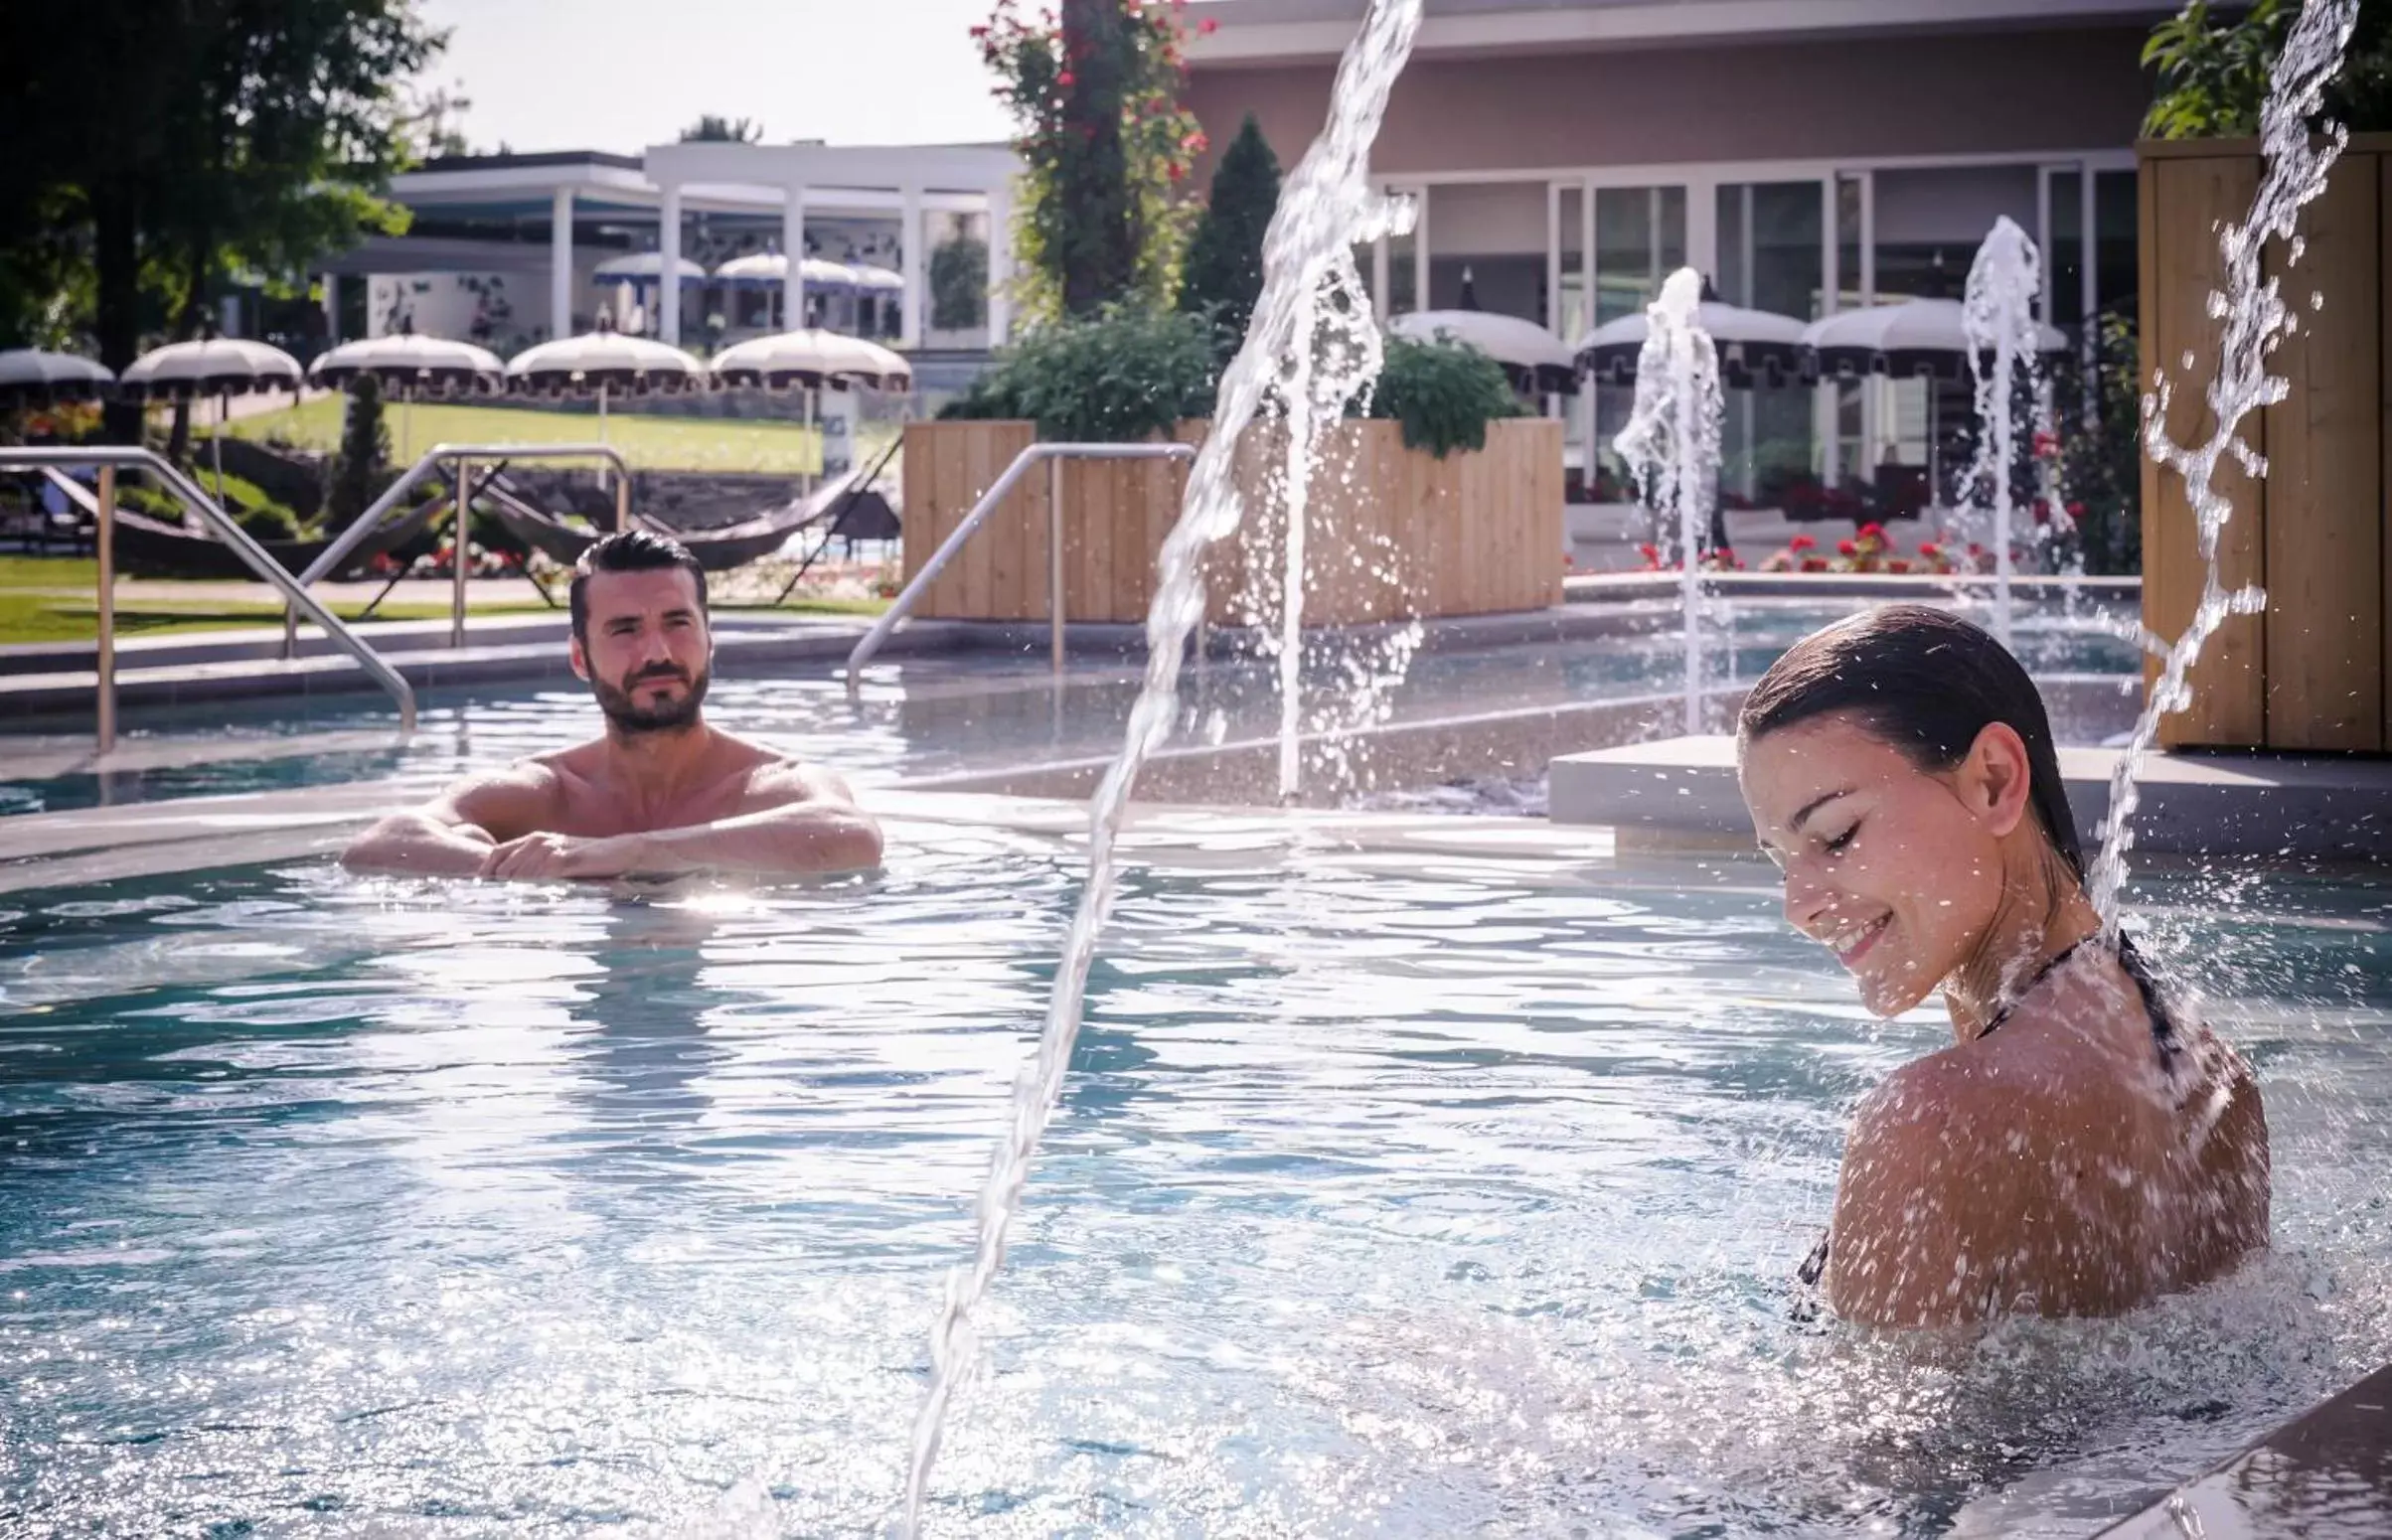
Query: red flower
{"x": 1846, "y": 548}
{"x": 1897, "y": 564}
{"x": 1802, "y": 542}
{"x": 1872, "y": 530}
{"x": 1976, "y": 550}
{"x": 1207, "y": 26}
{"x": 1066, "y": 79}
{"x": 1649, "y": 553}
{"x": 1815, "y": 563}
{"x": 1930, "y": 549}
{"x": 2075, "y": 510}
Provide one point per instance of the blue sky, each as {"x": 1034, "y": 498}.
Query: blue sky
{"x": 621, "y": 74}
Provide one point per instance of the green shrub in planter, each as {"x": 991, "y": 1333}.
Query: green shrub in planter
{"x": 1443, "y": 393}
{"x": 1125, "y": 376}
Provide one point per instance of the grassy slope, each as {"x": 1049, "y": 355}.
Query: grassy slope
{"x": 649, "y": 443}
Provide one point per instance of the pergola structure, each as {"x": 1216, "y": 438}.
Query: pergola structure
{"x": 519, "y": 214}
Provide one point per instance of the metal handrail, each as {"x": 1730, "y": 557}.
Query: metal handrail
{"x": 1056, "y": 453}
{"x": 109, "y": 458}
{"x": 355, "y": 535}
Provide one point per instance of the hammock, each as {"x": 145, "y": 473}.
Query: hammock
{"x": 152, "y": 547}
{"x": 716, "y": 550}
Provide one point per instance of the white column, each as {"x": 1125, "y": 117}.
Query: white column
{"x": 1001, "y": 266}
{"x": 668, "y": 277}
{"x": 793, "y": 245}
{"x": 560, "y": 264}
{"x": 332, "y": 309}
{"x": 916, "y": 303}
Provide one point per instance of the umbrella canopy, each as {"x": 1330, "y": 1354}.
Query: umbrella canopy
{"x": 1912, "y": 337}
{"x": 881, "y": 280}
{"x": 29, "y": 376}
{"x": 411, "y": 361}
{"x": 772, "y": 268}
{"x": 1534, "y": 356}
{"x": 811, "y": 358}
{"x": 644, "y": 267}
{"x": 1755, "y": 346}
{"x": 618, "y": 361}
{"x": 210, "y": 366}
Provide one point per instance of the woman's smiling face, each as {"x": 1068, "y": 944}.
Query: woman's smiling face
{"x": 1896, "y": 869}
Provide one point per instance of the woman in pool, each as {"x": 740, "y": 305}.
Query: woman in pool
{"x": 2082, "y": 1147}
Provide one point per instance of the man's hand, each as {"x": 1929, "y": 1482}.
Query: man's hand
{"x": 545, "y": 856}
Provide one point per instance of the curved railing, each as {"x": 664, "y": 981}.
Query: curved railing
{"x": 110, "y": 458}
{"x": 1056, "y": 454}
{"x": 461, "y": 456}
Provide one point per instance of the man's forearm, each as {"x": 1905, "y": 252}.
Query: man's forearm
{"x": 412, "y": 844}
{"x": 815, "y": 836}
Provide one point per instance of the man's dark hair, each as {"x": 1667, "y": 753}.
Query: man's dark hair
{"x": 630, "y": 550}
{"x": 1927, "y": 683}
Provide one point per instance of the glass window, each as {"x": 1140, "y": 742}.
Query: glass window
{"x": 1403, "y": 276}
{"x": 2114, "y": 217}
{"x": 1569, "y": 318}
{"x": 1770, "y": 259}
{"x": 1487, "y": 250}
{"x": 2064, "y": 255}
{"x": 957, "y": 276}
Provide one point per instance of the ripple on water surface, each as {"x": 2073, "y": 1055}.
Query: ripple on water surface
{"x": 1387, "y": 1198}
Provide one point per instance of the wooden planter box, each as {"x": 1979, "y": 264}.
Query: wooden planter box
{"x": 2312, "y": 672}
{"x": 1392, "y": 534}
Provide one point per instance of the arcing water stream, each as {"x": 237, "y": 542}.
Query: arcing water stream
{"x": 1327, "y": 207}
{"x": 2255, "y": 318}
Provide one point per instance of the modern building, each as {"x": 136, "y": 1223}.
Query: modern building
{"x": 1805, "y": 155}
{"x": 511, "y": 249}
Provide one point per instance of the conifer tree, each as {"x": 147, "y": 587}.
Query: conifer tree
{"x": 1224, "y": 273}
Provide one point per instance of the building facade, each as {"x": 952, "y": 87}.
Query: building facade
{"x": 1807, "y": 156}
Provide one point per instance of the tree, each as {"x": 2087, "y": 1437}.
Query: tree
{"x": 2214, "y": 77}
{"x": 959, "y": 284}
{"x": 1105, "y": 144}
{"x": 233, "y": 135}
{"x": 1224, "y": 273}
{"x": 711, "y": 129}
{"x": 364, "y": 458}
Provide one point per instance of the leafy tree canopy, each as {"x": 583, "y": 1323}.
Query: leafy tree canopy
{"x": 711, "y": 129}
{"x": 1224, "y": 273}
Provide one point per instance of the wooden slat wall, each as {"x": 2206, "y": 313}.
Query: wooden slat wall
{"x": 1390, "y": 533}
{"x": 2325, "y": 529}
{"x": 2182, "y": 202}
{"x": 2315, "y": 671}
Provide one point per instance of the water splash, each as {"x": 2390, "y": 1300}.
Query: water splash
{"x": 2255, "y": 320}
{"x": 1327, "y": 207}
{"x": 1672, "y": 446}
{"x": 1997, "y": 315}
{"x": 1323, "y": 371}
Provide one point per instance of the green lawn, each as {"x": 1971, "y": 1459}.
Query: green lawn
{"x": 52, "y": 599}
{"x": 649, "y": 443}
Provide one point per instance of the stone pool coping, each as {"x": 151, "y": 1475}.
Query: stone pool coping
{"x": 2325, "y": 1475}
{"x": 2298, "y": 807}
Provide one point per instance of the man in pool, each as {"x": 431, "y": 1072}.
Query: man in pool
{"x": 662, "y": 793}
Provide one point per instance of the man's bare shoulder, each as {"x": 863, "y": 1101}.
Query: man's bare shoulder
{"x": 776, "y": 778}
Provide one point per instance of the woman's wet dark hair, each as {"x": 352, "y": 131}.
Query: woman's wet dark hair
{"x": 1927, "y": 683}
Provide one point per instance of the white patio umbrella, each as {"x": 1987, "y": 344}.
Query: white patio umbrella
{"x": 1909, "y": 336}
{"x": 1756, "y": 346}
{"x": 808, "y": 359}
{"x": 602, "y": 363}
{"x": 1533, "y": 357}
{"x": 1924, "y": 338}
{"x": 643, "y": 268}
{"x": 29, "y": 376}
{"x": 770, "y": 271}
{"x": 221, "y": 367}
{"x": 411, "y": 365}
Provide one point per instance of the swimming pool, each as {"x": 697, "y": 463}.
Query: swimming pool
{"x": 952, "y": 713}
{"x": 1430, "y": 1183}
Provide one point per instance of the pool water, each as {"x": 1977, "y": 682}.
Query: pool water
{"x": 935, "y": 714}
{"x": 1392, "y": 1194}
